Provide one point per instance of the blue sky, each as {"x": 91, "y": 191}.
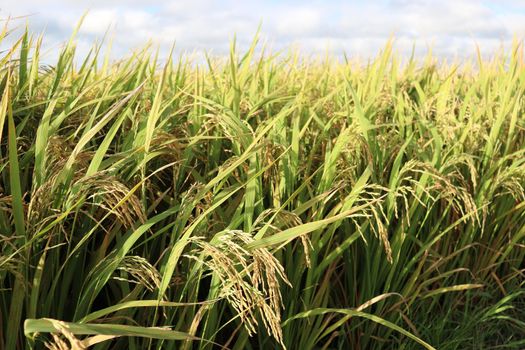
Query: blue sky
{"x": 359, "y": 28}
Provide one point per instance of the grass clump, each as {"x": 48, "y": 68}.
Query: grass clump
{"x": 260, "y": 202}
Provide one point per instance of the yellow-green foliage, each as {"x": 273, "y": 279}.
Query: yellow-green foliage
{"x": 260, "y": 202}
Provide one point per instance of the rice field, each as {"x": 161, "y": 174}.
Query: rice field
{"x": 260, "y": 201}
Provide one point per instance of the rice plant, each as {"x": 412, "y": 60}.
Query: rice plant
{"x": 260, "y": 201}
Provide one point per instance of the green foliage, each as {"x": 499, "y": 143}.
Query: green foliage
{"x": 260, "y": 202}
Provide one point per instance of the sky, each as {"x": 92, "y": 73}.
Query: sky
{"x": 358, "y": 28}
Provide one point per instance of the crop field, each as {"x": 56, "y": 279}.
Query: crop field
{"x": 260, "y": 201}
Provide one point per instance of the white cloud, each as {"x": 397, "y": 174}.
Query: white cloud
{"x": 361, "y": 28}
{"x": 300, "y": 21}
{"x": 98, "y": 21}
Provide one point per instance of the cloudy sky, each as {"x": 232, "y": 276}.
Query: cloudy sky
{"x": 360, "y": 28}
